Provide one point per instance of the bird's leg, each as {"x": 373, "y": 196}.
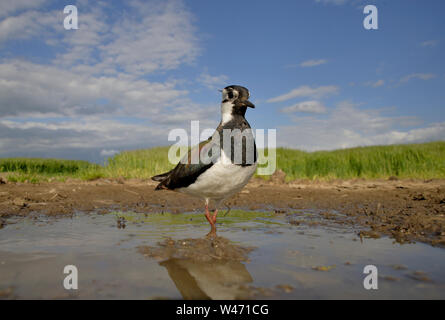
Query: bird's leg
{"x": 207, "y": 214}
{"x": 228, "y": 210}
{"x": 211, "y": 220}
{"x": 215, "y": 213}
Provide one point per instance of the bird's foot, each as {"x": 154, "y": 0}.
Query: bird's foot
{"x": 212, "y": 233}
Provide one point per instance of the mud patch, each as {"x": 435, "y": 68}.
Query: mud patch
{"x": 405, "y": 210}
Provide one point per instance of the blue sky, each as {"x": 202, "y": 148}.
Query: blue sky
{"x": 134, "y": 71}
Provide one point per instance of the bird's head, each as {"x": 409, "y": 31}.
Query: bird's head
{"x": 236, "y": 95}
{"x": 235, "y": 100}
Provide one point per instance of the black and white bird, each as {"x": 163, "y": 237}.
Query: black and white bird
{"x": 221, "y": 166}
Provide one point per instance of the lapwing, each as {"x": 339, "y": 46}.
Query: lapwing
{"x": 221, "y": 166}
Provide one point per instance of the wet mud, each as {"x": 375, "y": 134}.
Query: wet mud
{"x": 402, "y": 209}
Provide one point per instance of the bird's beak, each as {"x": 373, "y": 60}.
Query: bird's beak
{"x": 220, "y": 90}
{"x": 249, "y": 104}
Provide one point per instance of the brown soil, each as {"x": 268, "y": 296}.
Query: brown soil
{"x": 405, "y": 210}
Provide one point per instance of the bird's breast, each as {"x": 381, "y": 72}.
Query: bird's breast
{"x": 221, "y": 180}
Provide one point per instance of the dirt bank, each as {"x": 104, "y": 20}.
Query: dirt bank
{"x": 404, "y": 210}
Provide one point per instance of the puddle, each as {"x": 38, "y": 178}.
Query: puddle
{"x": 261, "y": 255}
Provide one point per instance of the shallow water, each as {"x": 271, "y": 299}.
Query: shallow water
{"x": 34, "y": 251}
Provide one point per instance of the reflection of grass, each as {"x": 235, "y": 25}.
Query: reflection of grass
{"x": 423, "y": 161}
{"x": 235, "y": 216}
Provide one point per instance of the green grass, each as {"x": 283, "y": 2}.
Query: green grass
{"x": 421, "y": 161}
{"x": 417, "y": 161}
{"x": 37, "y": 170}
{"x": 47, "y": 166}
{"x": 141, "y": 164}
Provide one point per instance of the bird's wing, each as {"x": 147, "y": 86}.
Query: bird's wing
{"x": 187, "y": 171}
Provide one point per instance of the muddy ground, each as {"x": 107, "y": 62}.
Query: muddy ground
{"x": 402, "y": 209}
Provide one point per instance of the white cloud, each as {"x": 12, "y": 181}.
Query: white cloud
{"x": 306, "y": 106}
{"x": 152, "y": 38}
{"x": 421, "y": 76}
{"x": 306, "y": 91}
{"x": 85, "y": 136}
{"x": 349, "y": 126}
{"x": 376, "y": 84}
{"x": 213, "y": 82}
{"x": 94, "y": 97}
{"x": 313, "y": 63}
{"x": 147, "y": 38}
{"x": 29, "y": 89}
{"x": 429, "y": 43}
{"x": 29, "y": 24}
{"x": 108, "y": 153}
{"x": 86, "y": 44}
{"x": 11, "y": 7}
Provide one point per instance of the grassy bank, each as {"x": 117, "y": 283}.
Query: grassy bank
{"x": 422, "y": 161}
{"x": 36, "y": 170}
{"x": 418, "y": 161}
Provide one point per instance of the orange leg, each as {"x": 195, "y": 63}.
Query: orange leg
{"x": 212, "y": 220}
{"x": 214, "y": 216}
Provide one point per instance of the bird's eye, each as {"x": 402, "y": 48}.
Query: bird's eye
{"x": 230, "y": 95}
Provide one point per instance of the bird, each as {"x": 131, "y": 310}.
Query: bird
{"x": 226, "y": 160}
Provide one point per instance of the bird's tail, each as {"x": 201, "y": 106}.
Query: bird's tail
{"x": 160, "y": 177}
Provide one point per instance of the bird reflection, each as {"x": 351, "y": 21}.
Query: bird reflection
{"x": 218, "y": 279}
{"x": 205, "y": 268}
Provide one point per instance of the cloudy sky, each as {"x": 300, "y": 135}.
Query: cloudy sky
{"x": 133, "y": 72}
